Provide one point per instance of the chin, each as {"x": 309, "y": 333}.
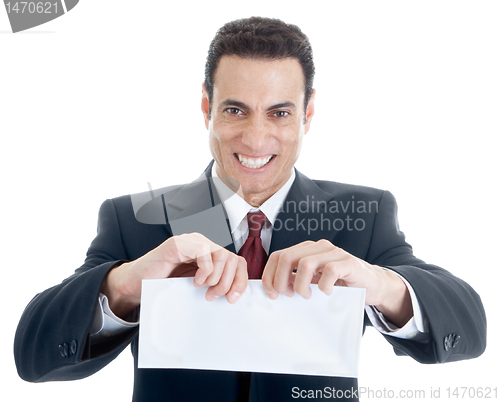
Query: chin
{"x": 252, "y": 189}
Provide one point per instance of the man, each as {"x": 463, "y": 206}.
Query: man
{"x": 258, "y": 103}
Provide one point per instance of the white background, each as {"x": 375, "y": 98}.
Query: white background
{"x": 99, "y": 102}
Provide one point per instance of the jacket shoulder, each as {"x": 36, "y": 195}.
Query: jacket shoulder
{"x": 348, "y": 190}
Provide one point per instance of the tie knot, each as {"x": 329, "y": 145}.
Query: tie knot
{"x": 256, "y": 221}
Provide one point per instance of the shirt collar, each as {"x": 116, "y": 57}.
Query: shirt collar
{"x": 237, "y": 208}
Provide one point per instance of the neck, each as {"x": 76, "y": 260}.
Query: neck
{"x": 256, "y": 200}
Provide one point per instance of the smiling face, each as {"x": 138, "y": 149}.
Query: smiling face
{"x": 257, "y": 122}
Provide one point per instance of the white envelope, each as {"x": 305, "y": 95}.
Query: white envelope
{"x": 180, "y": 329}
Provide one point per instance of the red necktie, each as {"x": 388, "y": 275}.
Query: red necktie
{"x": 252, "y": 250}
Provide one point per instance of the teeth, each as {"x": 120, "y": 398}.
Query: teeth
{"x": 253, "y": 163}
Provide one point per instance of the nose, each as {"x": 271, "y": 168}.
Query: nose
{"x": 256, "y": 133}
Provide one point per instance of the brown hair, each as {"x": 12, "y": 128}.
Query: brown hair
{"x": 260, "y": 38}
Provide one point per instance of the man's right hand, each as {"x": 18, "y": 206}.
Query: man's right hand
{"x": 224, "y": 272}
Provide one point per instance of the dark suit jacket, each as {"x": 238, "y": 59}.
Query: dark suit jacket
{"x": 52, "y": 339}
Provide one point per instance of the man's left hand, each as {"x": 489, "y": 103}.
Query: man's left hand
{"x": 294, "y": 269}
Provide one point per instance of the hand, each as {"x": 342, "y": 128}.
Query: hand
{"x": 187, "y": 255}
{"x": 292, "y": 270}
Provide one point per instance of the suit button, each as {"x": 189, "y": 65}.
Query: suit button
{"x": 72, "y": 347}
{"x": 63, "y": 349}
{"x": 450, "y": 341}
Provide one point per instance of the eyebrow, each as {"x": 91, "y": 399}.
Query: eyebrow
{"x": 241, "y": 105}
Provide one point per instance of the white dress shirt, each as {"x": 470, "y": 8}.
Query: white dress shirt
{"x": 106, "y": 324}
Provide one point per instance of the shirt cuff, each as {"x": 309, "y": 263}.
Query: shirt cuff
{"x": 106, "y": 324}
{"x": 416, "y": 328}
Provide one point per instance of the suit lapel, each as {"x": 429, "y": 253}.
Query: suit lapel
{"x": 303, "y": 216}
{"x": 196, "y": 207}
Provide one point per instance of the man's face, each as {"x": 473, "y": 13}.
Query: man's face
{"x": 257, "y": 122}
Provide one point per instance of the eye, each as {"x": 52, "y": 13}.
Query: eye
{"x": 281, "y": 113}
{"x": 233, "y": 111}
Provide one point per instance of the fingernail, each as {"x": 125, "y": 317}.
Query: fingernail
{"x": 234, "y": 297}
{"x": 212, "y": 297}
{"x": 308, "y": 295}
{"x": 272, "y": 295}
{"x": 200, "y": 281}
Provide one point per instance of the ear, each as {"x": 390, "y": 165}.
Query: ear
{"x": 309, "y": 112}
{"x": 205, "y": 105}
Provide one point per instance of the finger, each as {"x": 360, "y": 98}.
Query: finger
{"x": 204, "y": 261}
{"x": 332, "y": 274}
{"x": 307, "y": 268}
{"x": 196, "y": 247}
{"x": 240, "y": 282}
{"x": 283, "y": 280}
{"x": 268, "y": 275}
{"x": 289, "y": 261}
{"x": 226, "y": 278}
{"x": 219, "y": 261}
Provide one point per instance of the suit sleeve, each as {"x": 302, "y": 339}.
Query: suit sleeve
{"x": 52, "y": 338}
{"x": 455, "y": 314}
